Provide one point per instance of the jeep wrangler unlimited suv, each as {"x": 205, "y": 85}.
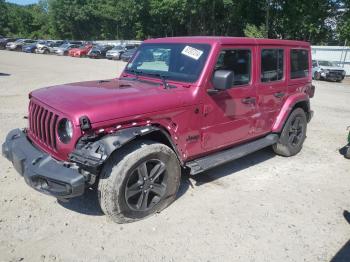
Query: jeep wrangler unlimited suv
{"x": 187, "y": 103}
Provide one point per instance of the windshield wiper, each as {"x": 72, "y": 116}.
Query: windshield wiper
{"x": 135, "y": 72}
{"x": 163, "y": 78}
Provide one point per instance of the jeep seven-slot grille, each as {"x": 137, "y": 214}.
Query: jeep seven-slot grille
{"x": 42, "y": 124}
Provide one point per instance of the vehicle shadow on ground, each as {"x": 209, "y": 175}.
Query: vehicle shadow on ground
{"x": 4, "y": 74}
{"x": 234, "y": 166}
{"x": 88, "y": 203}
{"x": 343, "y": 254}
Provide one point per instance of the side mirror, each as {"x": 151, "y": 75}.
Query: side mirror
{"x": 223, "y": 79}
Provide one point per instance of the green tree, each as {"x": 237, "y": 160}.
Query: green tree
{"x": 255, "y": 31}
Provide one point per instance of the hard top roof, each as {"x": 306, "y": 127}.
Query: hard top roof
{"x": 224, "y": 40}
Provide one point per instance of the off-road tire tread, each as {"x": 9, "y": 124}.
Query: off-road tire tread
{"x": 281, "y": 147}
{"x": 112, "y": 176}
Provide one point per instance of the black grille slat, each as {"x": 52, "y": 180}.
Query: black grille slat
{"x": 48, "y": 129}
{"x": 40, "y": 126}
{"x": 35, "y": 119}
{"x": 53, "y": 128}
{"x": 43, "y": 125}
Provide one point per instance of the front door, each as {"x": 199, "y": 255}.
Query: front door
{"x": 227, "y": 115}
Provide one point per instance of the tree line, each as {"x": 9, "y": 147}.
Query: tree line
{"x": 317, "y": 21}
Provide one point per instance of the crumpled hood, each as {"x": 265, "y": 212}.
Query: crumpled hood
{"x": 111, "y": 99}
{"x": 331, "y": 68}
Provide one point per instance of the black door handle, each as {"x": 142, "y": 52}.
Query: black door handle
{"x": 248, "y": 100}
{"x": 279, "y": 94}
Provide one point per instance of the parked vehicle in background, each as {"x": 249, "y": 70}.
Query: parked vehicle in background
{"x": 326, "y": 70}
{"x": 117, "y": 51}
{"x": 126, "y": 56}
{"x": 44, "y": 47}
{"x": 52, "y": 46}
{"x": 99, "y": 51}
{"x": 80, "y": 51}
{"x": 4, "y": 41}
{"x": 64, "y": 49}
{"x": 18, "y": 44}
{"x": 213, "y": 100}
{"x": 30, "y": 48}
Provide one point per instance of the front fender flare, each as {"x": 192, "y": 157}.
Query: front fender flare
{"x": 91, "y": 155}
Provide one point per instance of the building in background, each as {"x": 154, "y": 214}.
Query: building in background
{"x": 337, "y": 54}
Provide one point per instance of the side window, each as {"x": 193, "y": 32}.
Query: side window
{"x": 272, "y": 61}
{"x": 238, "y": 61}
{"x": 314, "y": 64}
{"x": 299, "y": 63}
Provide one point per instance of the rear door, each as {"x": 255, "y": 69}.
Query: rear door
{"x": 271, "y": 86}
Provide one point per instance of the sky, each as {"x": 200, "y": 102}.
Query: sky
{"x": 23, "y": 2}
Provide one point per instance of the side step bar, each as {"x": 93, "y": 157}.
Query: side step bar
{"x": 201, "y": 164}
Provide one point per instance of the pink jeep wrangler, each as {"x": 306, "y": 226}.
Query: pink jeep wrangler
{"x": 187, "y": 103}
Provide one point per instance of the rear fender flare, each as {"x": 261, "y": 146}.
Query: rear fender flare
{"x": 287, "y": 108}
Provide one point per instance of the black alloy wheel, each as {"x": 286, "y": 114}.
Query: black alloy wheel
{"x": 146, "y": 185}
{"x": 296, "y": 131}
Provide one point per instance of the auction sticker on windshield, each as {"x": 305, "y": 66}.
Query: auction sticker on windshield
{"x": 192, "y": 52}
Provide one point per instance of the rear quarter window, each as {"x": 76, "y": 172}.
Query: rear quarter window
{"x": 299, "y": 63}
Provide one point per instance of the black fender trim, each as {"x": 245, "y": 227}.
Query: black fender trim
{"x": 91, "y": 155}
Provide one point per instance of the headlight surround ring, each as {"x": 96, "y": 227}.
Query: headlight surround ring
{"x": 65, "y": 130}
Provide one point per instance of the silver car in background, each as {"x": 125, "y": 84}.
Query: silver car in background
{"x": 18, "y": 44}
{"x": 63, "y": 49}
{"x": 327, "y": 70}
{"x": 116, "y": 52}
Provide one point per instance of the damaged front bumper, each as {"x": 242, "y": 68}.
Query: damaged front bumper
{"x": 40, "y": 170}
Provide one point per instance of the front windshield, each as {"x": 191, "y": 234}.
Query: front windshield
{"x": 64, "y": 45}
{"x": 174, "y": 61}
{"x": 118, "y": 47}
{"x": 326, "y": 63}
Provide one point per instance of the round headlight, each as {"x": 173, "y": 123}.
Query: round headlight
{"x": 65, "y": 130}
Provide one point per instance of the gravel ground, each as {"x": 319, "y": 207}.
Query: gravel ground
{"x": 259, "y": 208}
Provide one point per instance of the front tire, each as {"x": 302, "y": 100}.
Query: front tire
{"x": 293, "y": 134}
{"x": 138, "y": 180}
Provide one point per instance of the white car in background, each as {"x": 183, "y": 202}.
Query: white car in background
{"x": 326, "y": 70}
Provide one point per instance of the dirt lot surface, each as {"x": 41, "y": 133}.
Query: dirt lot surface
{"x": 259, "y": 208}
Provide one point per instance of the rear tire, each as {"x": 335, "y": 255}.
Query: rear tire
{"x": 293, "y": 134}
{"x": 138, "y": 180}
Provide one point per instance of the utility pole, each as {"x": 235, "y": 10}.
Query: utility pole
{"x": 267, "y": 18}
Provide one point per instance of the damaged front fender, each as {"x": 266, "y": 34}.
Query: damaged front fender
{"x": 90, "y": 155}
